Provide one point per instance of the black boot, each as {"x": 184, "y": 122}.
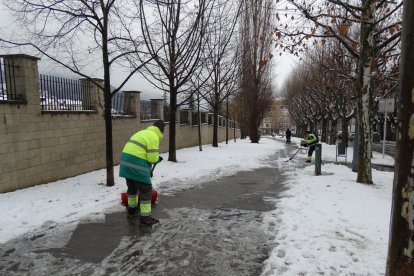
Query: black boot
{"x": 148, "y": 221}
{"x": 132, "y": 212}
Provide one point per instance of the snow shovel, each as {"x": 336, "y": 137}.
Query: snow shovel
{"x": 153, "y": 166}
{"x": 293, "y": 154}
{"x": 152, "y": 169}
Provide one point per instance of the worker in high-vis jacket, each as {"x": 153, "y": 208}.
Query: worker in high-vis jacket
{"x": 310, "y": 141}
{"x": 140, "y": 153}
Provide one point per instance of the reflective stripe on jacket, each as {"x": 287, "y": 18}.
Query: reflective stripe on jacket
{"x": 139, "y": 153}
{"x": 311, "y": 139}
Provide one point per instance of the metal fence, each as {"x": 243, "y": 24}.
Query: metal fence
{"x": 8, "y": 82}
{"x": 58, "y": 93}
{"x": 166, "y": 113}
{"x": 194, "y": 118}
{"x": 210, "y": 119}
{"x": 184, "y": 117}
{"x": 118, "y": 104}
{"x": 145, "y": 110}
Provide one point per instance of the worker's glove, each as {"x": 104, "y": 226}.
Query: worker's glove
{"x": 303, "y": 143}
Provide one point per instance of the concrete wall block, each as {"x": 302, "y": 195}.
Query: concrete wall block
{"x": 69, "y": 162}
{"x": 3, "y": 130}
{"x": 28, "y": 173}
{"x": 4, "y": 147}
{"x": 5, "y": 181}
{"x": 47, "y": 155}
{"x": 9, "y": 147}
{"x": 30, "y": 154}
{"x": 48, "y": 142}
{"x": 46, "y": 135}
{"x": 43, "y": 126}
{"x": 22, "y": 164}
{"x": 33, "y": 143}
{"x": 8, "y": 163}
{"x": 63, "y": 140}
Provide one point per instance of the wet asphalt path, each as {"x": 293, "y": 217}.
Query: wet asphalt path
{"x": 213, "y": 229}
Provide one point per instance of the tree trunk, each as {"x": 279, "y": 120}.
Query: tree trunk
{"x": 200, "y": 144}
{"x": 400, "y": 260}
{"x": 227, "y": 120}
{"x": 345, "y": 134}
{"x": 324, "y": 131}
{"x": 332, "y": 132}
{"x": 107, "y": 110}
{"x": 364, "y": 93}
{"x": 108, "y": 129}
{"x": 215, "y": 127}
{"x": 253, "y": 127}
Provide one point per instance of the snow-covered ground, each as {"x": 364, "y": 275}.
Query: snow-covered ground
{"x": 326, "y": 224}
{"x": 331, "y": 225}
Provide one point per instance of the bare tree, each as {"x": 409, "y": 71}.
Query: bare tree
{"x": 319, "y": 90}
{"x": 239, "y": 112}
{"x": 70, "y": 33}
{"x": 379, "y": 34}
{"x": 256, "y": 93}
{"x": 401, "y": 245}
{"x": 215, "y": 78}
{"x": 178, "y": 28}
{"x": 222, "y": 66}
{"x": 293, "y": 104}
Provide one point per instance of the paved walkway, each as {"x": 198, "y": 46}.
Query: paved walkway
{"x": 214, "y": 229}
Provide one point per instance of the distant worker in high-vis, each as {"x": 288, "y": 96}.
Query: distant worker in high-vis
{"x": 310, "y": 141}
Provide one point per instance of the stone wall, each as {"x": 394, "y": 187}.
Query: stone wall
{"x": 38, "y": 146}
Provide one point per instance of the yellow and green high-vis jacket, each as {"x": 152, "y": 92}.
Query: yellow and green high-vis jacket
{"x": 311, "y": 139}
{"x": 139, "y": 153}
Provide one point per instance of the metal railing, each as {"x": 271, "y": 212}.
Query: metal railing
{"x": 210, "y": 119}
{"x": 61, "y": 94}
{"x": 145, "y": 110}
{"x": 194, "y": 118}
{"x": 118, "y": 104}
{"x": 203, "y": 118}
{"x": 8, "y": 90}
{"x": 184, "y": 117}
{"x": 166, "y": 113}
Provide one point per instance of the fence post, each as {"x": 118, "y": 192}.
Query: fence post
{"x": 25, "y": 75}
{"x": 318, "y": 158}
{"x": 157, "y": 109}
{"x": 132, "y": 103}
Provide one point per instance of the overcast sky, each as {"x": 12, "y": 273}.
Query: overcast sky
{"x": 283, "y": 64}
